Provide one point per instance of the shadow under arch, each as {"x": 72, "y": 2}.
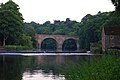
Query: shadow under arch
{"x": 49, "y": 44}
{"x": 69, "y": 45}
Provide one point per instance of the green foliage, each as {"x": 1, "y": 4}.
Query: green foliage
{"x": 106, "y": 68}
{"x": 16, "y": 48}
{"x": 11, "y": 21}
{"x": 12, "y": 26}
{"x": 96, "y": 48}
{"x": 90, "y": 29}
{"x": 58, "y": 27}
{"x": 59, "y": 32}
{"x": 116, "y": 3}
{"x": 114, "y": 20}
{"x": 29, "y": 30}
{"x": 113, "y": 52}
{"x": 26, "y": 41}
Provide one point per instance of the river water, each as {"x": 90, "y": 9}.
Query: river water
{"x": 37, "y": 67}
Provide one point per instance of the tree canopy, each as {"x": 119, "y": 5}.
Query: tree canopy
{"x": 116, "y": 3}
{"x": 11, "y": 21}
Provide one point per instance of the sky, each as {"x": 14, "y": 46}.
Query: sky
{"x": 41, "y": 11}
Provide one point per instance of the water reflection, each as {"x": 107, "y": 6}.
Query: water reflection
{"x": 38, "y": 75}
{"x": 10, "y": 68}
{"x": 36, "y": 67}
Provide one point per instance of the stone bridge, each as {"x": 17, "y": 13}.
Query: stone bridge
{"x": 58, "y": 38}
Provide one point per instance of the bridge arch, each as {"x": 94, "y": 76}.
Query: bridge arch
{"x": 49, "y": 44}
{"x": 69, "y": 45}
{"x": 59, "y": 40}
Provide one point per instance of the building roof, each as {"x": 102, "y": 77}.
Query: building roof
{"x": 112, "y": 30}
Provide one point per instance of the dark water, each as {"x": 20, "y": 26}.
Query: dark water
{"x": 37, "y": 67}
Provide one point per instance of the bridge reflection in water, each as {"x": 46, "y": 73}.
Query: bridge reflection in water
{"x": 24, "y": 66}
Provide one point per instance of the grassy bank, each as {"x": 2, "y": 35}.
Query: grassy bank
{"x": 16, "y": 48}
{"x": 106, "y": 68}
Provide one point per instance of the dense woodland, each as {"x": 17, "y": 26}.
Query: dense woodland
{"x": 12, "y": 26}
{"x": 14, "y": 31}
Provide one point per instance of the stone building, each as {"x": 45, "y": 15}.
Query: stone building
{"x": 110, "y": 38}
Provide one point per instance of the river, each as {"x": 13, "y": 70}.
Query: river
{"x": 38, "y": 66}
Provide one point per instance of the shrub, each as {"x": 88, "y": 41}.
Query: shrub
{"x": 113, "y": 51}
{"x": 26, "y": 41}
{"x": 16, "y": 48}
{"x": 96, "y": 48}
{"x": 106, "y": 68}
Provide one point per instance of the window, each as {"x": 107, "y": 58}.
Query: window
{"x": 111, "y": 37}
{"x": 113, "y": 45}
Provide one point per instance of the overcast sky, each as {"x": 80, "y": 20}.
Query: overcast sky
{"x": 41, "y": 11}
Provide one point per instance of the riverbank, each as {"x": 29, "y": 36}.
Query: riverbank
{"x": 2, "y": 49}
{"x": 104, "y": 68}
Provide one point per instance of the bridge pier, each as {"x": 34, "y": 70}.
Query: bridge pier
{"x": 59, "y": 50}
{"x": 77, "y": 46}
{"x": 59, "y": 46}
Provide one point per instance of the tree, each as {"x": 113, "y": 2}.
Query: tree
{"x": 26, "y": 41}
{"x": 114, "y": 20}
{"x": 90, "y": 28}
{"x": 116, "y": 3}
{"x": 29, "y": 30}
{"x": 11, "y": 21}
